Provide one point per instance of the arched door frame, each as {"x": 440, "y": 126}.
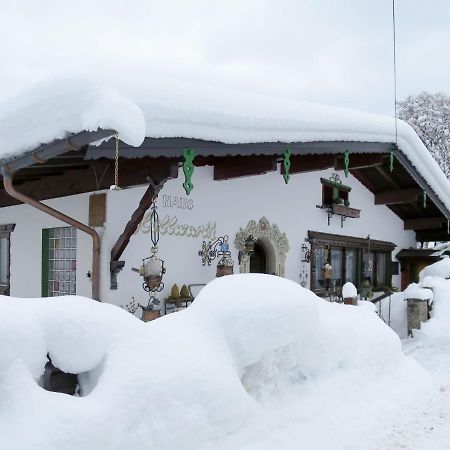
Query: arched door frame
{"x": 274, "y": 240}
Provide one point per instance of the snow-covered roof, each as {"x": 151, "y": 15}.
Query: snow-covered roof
{"x": 169, "y": 109}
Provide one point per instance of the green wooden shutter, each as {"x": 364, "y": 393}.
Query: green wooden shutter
{"x": 45, "y": 261}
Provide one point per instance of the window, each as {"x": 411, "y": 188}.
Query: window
{"x": 5, "y": 231}
{"x": 381, "y": 269}
{"x": 334, "y": 192}
{"x": 348, "y": 259}
{"x": 59, "y": 261}
{"x": 336, "y": 267}
{"x": 351, "y": 265}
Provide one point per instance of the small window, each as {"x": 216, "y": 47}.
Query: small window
{"x": 59, "y": 261}
{"x": 334, "y": 192}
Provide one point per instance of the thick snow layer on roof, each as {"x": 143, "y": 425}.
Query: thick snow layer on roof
{"x": 176, "y": 109}
{"x": 52, "y": 110}
{"x": 232, "y": 117}
{"x": 256, "y": 362}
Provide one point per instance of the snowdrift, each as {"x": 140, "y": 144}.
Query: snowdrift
{"x": 251, "y": 356}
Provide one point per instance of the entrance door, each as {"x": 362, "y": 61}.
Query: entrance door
{"x": 258, "y": 259}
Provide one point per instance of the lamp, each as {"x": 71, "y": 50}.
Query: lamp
{"x": 152, "y": 270}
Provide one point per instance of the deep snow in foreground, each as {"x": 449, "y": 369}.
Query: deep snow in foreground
{"x": 257, "y": 362}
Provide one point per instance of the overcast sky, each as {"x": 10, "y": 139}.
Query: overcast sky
{"x": 337, "y": 52}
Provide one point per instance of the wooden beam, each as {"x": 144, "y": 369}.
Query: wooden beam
{"x": 438, "y": 235}
{"x": 310, "y": 163}
{"x": 424, "y": 223}
{"x": 136, "y": 218}
{"x": 398, "y": 196}
{"x": 386, "y": 176}
{"x": 360, "y": 161}
{"x": 363, "y": 179}
{"x": 243, "y": 166}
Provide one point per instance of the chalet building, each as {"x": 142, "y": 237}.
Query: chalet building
{"x": 318, "y": 195}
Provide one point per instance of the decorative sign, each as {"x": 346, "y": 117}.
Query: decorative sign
{"x": 169, "y": 226}
{"x": 177, "y": 202}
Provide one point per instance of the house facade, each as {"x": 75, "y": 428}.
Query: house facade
{"x": 290, "y": 223}
{"x": 319, "y": 209}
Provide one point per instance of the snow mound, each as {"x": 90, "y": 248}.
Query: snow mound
{"x": 415, "y": 291}
{"x": 349, "y": 290}
{"x": 438, "y": 269}
{"x": 54, "y": 109}
{"x": 251, "y": 355}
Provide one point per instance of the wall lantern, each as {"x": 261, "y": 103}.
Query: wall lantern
{"x": 306, "y": 253}
{"x": 152, "y": 270}
{"x": 218, "y": 249}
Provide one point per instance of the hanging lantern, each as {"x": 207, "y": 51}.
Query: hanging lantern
{"x": 152, "y": 270}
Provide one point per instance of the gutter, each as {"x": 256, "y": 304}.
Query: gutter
{"x": 12, "y": 165}
{"x": 9, "y": 188}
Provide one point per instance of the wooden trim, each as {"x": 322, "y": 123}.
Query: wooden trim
{"x": 243, "y": 166}
{"x": 45, "y": 262}
{"x": 310, "y": 163}
{"x": 349, "y": 241}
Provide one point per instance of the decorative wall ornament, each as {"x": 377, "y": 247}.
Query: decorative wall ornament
{"x": 218, "y": 249}
{"x": 347, "y": 162}
{"x": 287, "y": 164}
{"x": 271, "y": 236}
{"x": 169, "y": 225}
{"x": 188, "y": 169}
{"x": 169, "y": 201}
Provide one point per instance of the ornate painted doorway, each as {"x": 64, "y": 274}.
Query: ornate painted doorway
{"x": 262, "y": 248}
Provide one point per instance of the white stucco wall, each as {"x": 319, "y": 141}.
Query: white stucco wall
{"x": 229, "y": 204}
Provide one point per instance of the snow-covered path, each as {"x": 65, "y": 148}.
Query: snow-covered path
{"x": 427, "y": 425}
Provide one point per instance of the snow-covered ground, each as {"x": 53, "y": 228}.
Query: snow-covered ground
{"x": 257, "y": 362}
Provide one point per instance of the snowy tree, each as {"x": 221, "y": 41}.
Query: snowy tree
{"x": 429, "y": 115}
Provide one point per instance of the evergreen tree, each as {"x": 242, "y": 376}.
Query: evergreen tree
{"x": 429, "y": 115}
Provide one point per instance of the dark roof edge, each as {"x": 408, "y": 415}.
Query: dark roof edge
{"x": 44, "y": 152}
{"x": 420, "y": 180}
